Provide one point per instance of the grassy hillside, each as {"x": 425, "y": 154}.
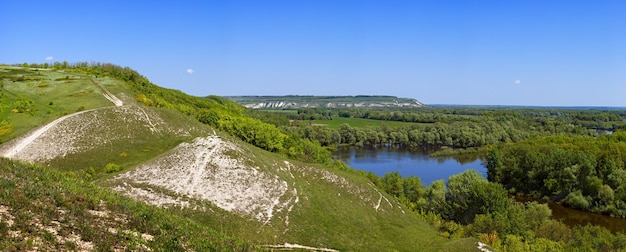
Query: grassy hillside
{"x": 204, "y": 185}
{"x": 32, "y": 97}
{"x": 43, "y": 209}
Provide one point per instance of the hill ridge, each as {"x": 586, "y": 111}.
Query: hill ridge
{"x": 312, "y": 101}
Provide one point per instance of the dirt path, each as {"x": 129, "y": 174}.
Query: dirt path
{"x": 107, "y": 94}
{"x": 21, "y": 144}
{"x": 290, "y": 246}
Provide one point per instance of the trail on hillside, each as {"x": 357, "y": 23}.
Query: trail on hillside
{"x": 28, "y": 139}
{"x": 107, "y": 94}
{"x": 289, "y": 246}
{"x": 21, "y": 144}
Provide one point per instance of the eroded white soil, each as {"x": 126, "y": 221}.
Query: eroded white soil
{"x": 205, "y": 169}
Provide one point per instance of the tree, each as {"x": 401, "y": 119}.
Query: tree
{"x": 393, "y": 184}
{"x": 413, "y": 190}
{"x": 470, "y": 194}
{"x": 436, "y": 197}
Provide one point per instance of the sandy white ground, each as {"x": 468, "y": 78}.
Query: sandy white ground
{"x": 203, "y": 170}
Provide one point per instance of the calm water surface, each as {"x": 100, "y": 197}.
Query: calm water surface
{"x": 381, "y": 160}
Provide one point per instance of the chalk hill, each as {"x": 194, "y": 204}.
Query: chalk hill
{"x": 295, "y": 102}
{"x": 125, "y": 167}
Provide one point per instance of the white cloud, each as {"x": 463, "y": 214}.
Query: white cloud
{"x": 49, "y": 58}
{"x": 190, "y": 71}
{"x": 518, "y": 81}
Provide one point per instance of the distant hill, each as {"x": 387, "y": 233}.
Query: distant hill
{"x": 296, "y": 101}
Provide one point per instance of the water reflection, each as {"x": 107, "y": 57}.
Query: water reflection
{"x": 385, "y": 159}
{"x": 574, "y": 217}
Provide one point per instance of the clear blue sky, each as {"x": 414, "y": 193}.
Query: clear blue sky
{"x": 545, "y": 53}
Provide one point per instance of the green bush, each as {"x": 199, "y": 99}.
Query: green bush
{"x": 577, "y": 200}
{"x": 112, "y": 167}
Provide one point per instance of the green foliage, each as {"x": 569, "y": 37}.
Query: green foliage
{"x": 469, "y": 194}
{"x": 5, "y": 127}
{"x": 577, "y": 200}
{"x": 39, "y": 199}
{"x": 112, "y": 167}
{"x": 583, "y": 172}
{"x": 444, "y": 128}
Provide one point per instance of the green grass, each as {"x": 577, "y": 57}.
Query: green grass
{"x": 359, "y": 123}
{"x": 41, "y": 96}
{"x": 129, "y": 143}
{"x": 329, "y": 214}
{"x": 43, "y": 204}
{"x": 335, "y": 215}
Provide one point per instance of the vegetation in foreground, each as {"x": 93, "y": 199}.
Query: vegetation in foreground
{"x": 43, "y": 209}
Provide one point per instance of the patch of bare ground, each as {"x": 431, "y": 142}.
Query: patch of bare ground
{"x": 84, "y": 131}
{"x": 289, "y": 246}
{"x": 58, "y": 230}
{"x": 205, "y": 169}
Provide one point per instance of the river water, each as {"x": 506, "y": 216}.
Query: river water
{"x": 381, "y": 160}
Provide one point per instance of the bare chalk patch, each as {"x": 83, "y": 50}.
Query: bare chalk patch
{"x": 211, "y": 169}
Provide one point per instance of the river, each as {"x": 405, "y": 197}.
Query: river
{"x": 381, "y": 160}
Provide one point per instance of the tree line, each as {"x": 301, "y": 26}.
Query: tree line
{"x": 461, "y": 134}
{"x": 591, "y": 118}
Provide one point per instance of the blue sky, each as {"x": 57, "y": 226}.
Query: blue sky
{"x": 542, "y": 53}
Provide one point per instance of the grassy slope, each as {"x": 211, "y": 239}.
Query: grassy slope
{"x": 52, "y": 93}
{"x": 42, "y": 209}
{"x": 329, "y": 217}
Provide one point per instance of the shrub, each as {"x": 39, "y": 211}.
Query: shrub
{"x": 112, "y": 167}
{"x": 577, "y": 200}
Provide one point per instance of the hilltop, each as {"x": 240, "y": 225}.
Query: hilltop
{"x": 117, "y": 162}
{"x": 296, "y": 101}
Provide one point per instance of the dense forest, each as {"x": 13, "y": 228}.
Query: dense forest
{"x": 581, "y": 172}
{"x": 445, "y": 127}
